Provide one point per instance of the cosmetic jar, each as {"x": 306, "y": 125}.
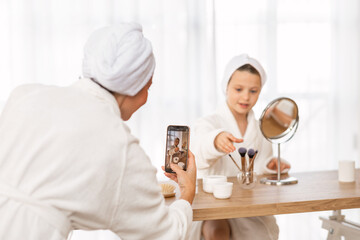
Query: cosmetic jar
{"x": 222, "y": 190}
{"x": 346, "y": 171}
{"x": 209, "y": 181}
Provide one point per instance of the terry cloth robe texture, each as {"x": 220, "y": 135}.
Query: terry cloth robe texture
{"x": 210, "y": 161}
{"x": 68, "y": 161}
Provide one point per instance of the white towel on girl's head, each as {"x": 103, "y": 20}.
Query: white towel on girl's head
{"x": 120, "y": 58}
{"x": 237, "y": 62}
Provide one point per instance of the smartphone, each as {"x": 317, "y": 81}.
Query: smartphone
{"x": 177, "y": 145}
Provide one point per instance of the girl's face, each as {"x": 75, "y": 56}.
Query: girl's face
{"x": 243, "y": 92}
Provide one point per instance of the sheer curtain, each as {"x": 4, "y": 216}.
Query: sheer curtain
{"x": 310, "y": 50}
{"x": 311, "y": 53}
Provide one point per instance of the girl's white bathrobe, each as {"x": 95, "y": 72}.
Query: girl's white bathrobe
{"x": 210, "y": 161}
{"x": 68, "y": 161}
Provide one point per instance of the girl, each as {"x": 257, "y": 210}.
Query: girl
{"x": 233, "y": 126}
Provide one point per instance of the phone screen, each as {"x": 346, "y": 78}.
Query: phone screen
{"x": 177, "y": 145}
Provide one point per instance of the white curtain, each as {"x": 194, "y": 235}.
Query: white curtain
{"x": 310, "y": 50}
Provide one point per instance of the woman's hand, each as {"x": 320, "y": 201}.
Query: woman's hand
{"x": 185, "y": 179}
{"x": 273, "y": 165}
{"x": 224, "y": 142}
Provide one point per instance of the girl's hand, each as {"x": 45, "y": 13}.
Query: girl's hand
{"x": 273, "y": 165}
{"x": 224, "y": 142}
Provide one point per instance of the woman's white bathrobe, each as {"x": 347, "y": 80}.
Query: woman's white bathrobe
{"x": 68, "y": 161}
{"x": 210, "y": 161}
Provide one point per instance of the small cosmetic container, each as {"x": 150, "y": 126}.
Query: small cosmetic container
{"x": 222, "y": 190}
{"x": 209, "y": 181}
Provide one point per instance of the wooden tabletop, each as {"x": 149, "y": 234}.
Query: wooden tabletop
{"x": 315, "y": 191}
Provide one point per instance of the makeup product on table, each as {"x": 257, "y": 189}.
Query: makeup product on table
{"x": 252, "y": 160}
{"x": 242, "y": 152}
{"x": 247, "y": 176}
{"x": 209, "y": 181}
{"x": 251, "y": 154}
{"x": 222, "y": 190}
{"x": 346, "y": 171}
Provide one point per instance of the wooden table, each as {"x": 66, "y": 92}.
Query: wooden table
{"x": 316, "y": 191}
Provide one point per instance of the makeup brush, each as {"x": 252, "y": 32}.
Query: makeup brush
{"x": 235, "y": 162}
{"x": 242, "y": 152}
{"x": 251, "y": 153}
{"x": 251, "y": 166}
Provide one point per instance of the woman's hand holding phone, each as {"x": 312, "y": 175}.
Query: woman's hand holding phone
{"x": 185, "y": 179}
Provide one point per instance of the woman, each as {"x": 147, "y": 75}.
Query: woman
{"x": 68, "y": 160}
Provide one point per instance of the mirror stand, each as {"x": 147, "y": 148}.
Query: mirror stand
{"x": 278, "y": 180}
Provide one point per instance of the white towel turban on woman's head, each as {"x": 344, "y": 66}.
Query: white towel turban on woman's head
{"x": 239, "y": 61}
{"x": 119, "y": 58}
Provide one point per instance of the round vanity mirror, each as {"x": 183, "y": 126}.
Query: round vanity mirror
{"x": 278, "y": 124}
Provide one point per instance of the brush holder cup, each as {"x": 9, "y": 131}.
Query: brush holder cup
{"x": 247, "y": 180}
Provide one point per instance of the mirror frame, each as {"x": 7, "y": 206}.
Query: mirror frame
{"x": 278, "y": 139}
{"x": 291, "y": 129}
